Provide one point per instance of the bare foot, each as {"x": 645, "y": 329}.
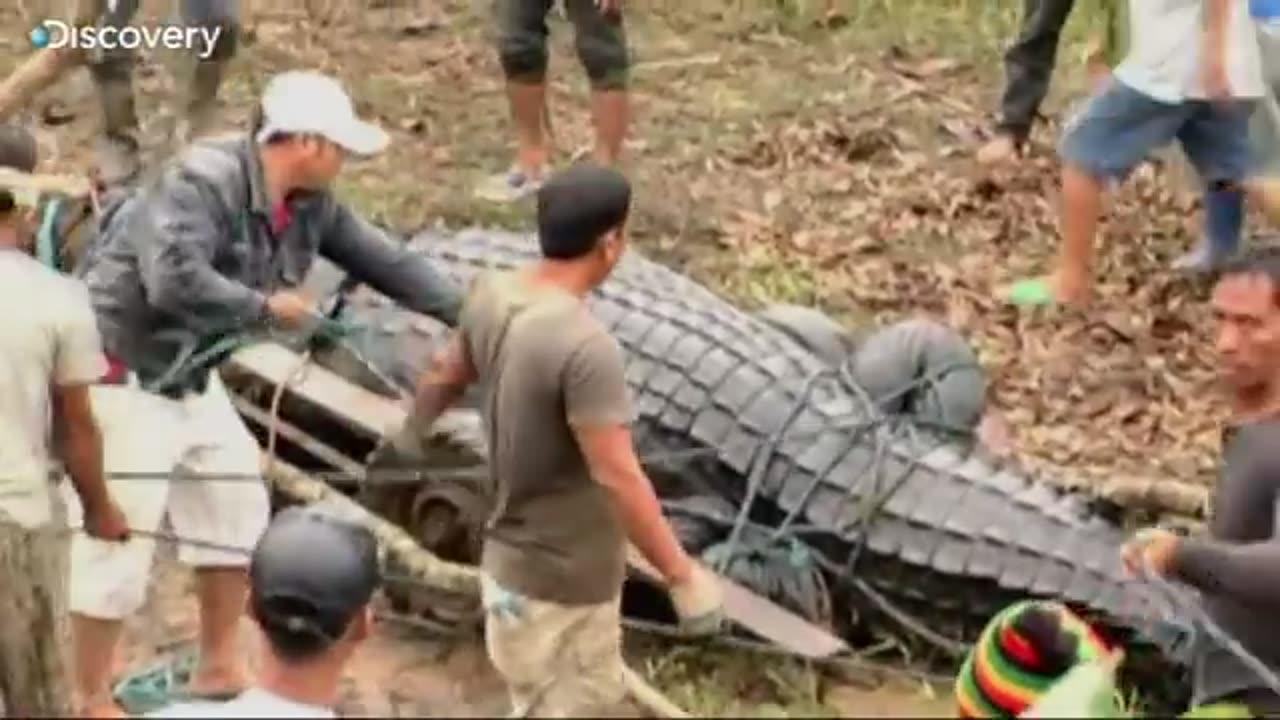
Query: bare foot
{"x": 1068, "y": 289}
{"x": 1001, "y": 149}
{"x": 993, "y": 432}
{"x": 217, "y": 682}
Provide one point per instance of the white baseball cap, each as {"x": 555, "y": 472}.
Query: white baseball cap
{"x": 305, "y": 101}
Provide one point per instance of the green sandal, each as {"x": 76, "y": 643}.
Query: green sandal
{"x": 155, "y": 686}
{"x": 1034, "y": 292}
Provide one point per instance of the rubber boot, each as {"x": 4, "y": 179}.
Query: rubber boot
{"x": 1223, "y": 220}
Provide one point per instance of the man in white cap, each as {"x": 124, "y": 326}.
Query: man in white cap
{"x": 216, "y": 245}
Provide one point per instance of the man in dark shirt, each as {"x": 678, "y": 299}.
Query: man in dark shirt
{"x": 1237, "y": 567}
{"x": 215, "y": 247}
{"x": 569, "y": 489}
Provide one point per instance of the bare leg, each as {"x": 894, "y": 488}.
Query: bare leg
{"x": 522, "y": 52}
{"x": 95, "y": 643}
{"x": 222, "y": 593}
{"x": 609, "y": 114}
{"x": 1264, "y": 193}
{"x": 1081, "y": 210}
{"x": 527, "y": 101}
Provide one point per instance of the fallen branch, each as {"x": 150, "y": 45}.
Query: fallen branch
{"x": 424, "y": 566}
{"x": 1167, "y": 496}
{"x": 76, "y": 186}
{"x": 417, "y": 561}
{"x": 711, "y": 58}
{"x": 941, "y": 96}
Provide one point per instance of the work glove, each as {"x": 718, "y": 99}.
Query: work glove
{"x": 699, "y": 603}
{"x": 404, "y": 448}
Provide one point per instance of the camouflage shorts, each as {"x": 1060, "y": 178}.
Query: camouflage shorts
{"x": 34, "y": 635}
{"x": 557, "y": 660}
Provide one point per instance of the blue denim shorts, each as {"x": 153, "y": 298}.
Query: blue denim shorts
{"x": 1118, "y": 127}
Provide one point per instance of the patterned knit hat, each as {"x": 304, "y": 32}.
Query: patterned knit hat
{"x": 1022, "y": 651}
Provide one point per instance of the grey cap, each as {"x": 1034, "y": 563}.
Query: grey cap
{"x": 311, "y": 573}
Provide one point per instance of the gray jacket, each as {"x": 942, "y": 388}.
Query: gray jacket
{"x": 191, "y": 256}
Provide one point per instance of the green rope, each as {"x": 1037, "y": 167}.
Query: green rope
{"x": 46, "y": 240}
{"x": 203, "y": 354}
{"x": 156, "y": 685}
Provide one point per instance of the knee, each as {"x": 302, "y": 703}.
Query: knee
{"x": 224, "y": 521}
{"x": 523, "y": 54}
{"x": 603, "y": 53}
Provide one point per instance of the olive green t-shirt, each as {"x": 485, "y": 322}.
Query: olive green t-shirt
{"x": 545, "y": 365}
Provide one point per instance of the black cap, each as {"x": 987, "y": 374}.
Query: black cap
{"x": 579, "y": 204}
{"x": 311, "y": 573}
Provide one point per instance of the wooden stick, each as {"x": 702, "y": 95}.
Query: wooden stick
{"x": 418, "y": 561}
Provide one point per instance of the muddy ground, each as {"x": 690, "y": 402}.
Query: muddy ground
{"x": 405, "y": 671}
{"x": 813, "y": 151}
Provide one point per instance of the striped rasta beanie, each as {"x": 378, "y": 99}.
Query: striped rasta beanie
{"x": 1020, "y": 654}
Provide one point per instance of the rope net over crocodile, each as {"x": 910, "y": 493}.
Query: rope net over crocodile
{"x": 802, "y": 489}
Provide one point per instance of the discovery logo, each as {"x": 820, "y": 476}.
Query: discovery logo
{"x": 60, "y": 34}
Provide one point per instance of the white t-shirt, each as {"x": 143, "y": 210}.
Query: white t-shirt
{"x": 48, "y": 337}
{"x": 252, "y": 703}
{"x": 1166, "y": 46}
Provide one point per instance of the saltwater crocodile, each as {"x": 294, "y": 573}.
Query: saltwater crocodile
{"x": 915, "y": 533}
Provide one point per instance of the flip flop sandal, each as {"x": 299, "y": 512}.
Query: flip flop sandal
{"x": 510, "y": 186}
{"x": 1034, "y": 292}
{"x": 154, "y": 687}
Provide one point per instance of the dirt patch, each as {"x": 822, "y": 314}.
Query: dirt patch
{"x": 399, "y": 672}
{"x": 402, "y": 671}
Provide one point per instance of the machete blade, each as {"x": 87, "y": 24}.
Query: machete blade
{"x": 761, "y": 616}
